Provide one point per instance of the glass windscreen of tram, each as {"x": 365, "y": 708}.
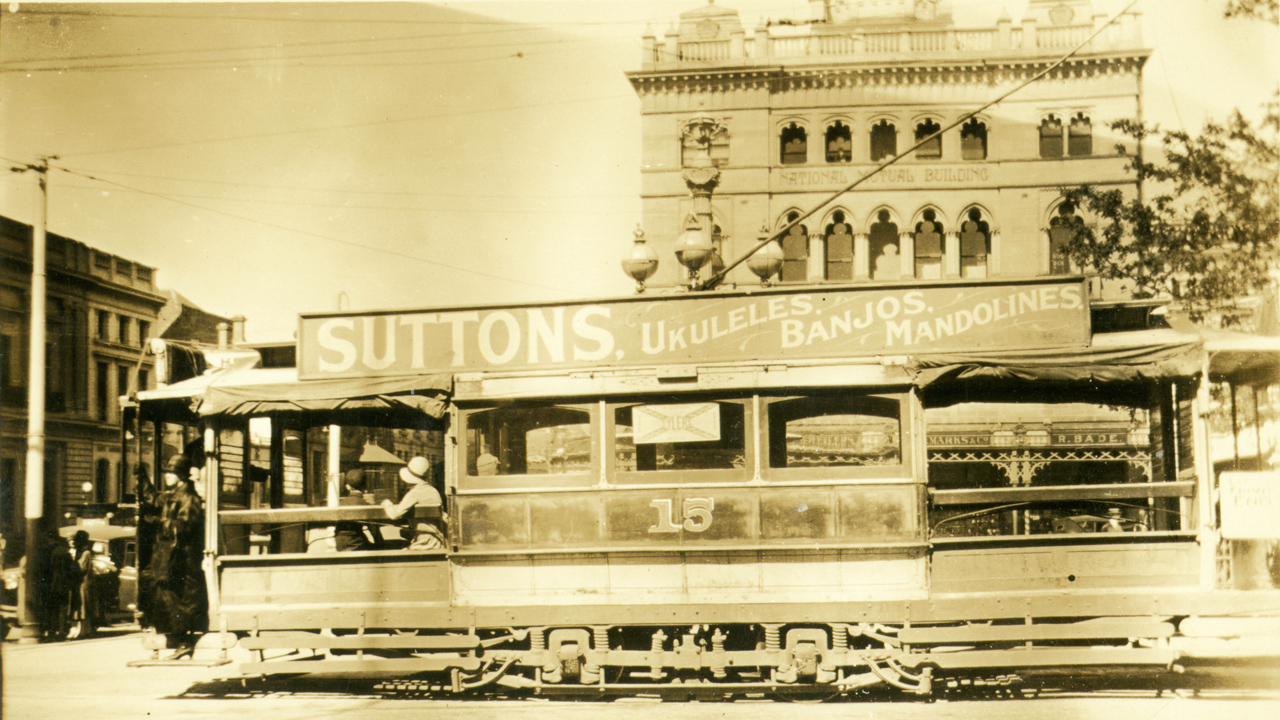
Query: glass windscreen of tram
{"x": 1074, "y": 453}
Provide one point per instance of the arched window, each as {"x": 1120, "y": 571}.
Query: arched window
{"x": 839, "y": 243}
{"x": 1062, "y": 230}
{"x": 839, "y": 143}
{"x": 929, "y": 247}
{"x": 1051, "y": 137}
{"x": 931, "y": 150}
{"x": 886, "y": 263}
{"x": 795, "y": 252}
{"x": 101, "y": 478}
{"x": 794, "y": 143}
{"x": 884, "y": 141}
{"x": 975, "y": 245}
{"x": 973, "y": 140}
{"x": 1080, "y": 136}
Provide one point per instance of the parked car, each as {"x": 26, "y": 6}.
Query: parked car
{"x": 115, "y": 568}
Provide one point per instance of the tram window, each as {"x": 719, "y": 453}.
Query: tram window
{"x": 1037, "y": 468}
{"x": 528, "y": 441}
{"x": 834, "y": 432}
{"x": 680, "y": 437}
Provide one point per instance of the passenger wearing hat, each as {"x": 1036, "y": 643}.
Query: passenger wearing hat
{"x": 427, "y": 535}
{"x": 349, "y": 535}
{"x": 178, "y": 601}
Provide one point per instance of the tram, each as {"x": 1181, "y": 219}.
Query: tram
{"x": 821, "y": 488}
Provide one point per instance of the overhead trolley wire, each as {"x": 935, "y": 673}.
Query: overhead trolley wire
{"x": 340, "y": 241}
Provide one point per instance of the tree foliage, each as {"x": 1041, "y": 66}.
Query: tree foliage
{"x": 1268, "y": 10}
{"x": 1204, "y": 231}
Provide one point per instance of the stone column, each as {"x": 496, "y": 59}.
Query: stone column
{"x": 817, "y": 257}
{"x": 951, "y": 256}
{"x": 861, "y": 257}
{"x": 907, "y": 251}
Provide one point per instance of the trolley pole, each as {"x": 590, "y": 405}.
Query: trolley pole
{"x": 29, "y": 605}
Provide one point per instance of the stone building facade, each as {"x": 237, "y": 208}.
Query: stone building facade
{"x": 801, "y": 109}
{"x": 101, "y": 309}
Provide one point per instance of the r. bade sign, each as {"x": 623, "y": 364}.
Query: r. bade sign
{"x": 769, "y": 325}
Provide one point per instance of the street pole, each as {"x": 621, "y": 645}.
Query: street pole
{"x": 30, "y": 605}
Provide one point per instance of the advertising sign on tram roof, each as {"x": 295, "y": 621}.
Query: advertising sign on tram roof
{"x": 768, "y": 325}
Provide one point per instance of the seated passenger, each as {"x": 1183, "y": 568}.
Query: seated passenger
{"x": 350, "y": 535}
{"x": 486, "y": 465}
{"x": 427, "y": 534}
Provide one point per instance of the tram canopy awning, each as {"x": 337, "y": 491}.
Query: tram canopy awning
{"x": 256, "y": 391}
{"x": 1111, "y": 357}
{"x": 279, "y": 390}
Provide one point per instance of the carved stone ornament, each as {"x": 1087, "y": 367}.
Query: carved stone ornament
{"x": 702, "y": 179}
{"x": 1061, "y": 15}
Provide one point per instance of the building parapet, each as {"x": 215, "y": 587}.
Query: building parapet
{"x": 825, "y": 43}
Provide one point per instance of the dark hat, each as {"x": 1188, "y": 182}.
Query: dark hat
{"x": 178, "y": 465}
{"x": 354, "y": 478}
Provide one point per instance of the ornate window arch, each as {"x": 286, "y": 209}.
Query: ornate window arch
{"x": 973, "y": 139}
{"x": 884, "y": 140}
{"x": 975, "y": 242}
{"x": 930, "y": 244}
{"x": 883, "y": 245}
{"x": 1051, "y": 137}
{"x": 838, "y": 236}
{"x": 1064, "y": 222}
{"x": 795, "y": 249}
{"x": 793, "y": 143}
{"x": 931, "y": 150}
{"x": 838, "y": 142}
{"x": 1080, "y": 135}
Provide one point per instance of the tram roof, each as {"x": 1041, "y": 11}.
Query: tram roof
{"x": 1178, "y": 351}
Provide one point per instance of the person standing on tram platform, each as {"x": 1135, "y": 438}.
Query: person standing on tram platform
{"x": 426, "y": 534}
{"x": 178, "y": 605}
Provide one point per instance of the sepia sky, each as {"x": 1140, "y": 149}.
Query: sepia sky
{"x": 272, "y": 158}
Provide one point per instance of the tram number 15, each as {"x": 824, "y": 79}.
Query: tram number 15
{"x": 697, "y": 515}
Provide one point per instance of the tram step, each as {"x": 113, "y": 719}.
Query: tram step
{"x": 1084, "y": 630}
{"x": 392, "y": 665}
{"x": 1230, "y": 627}
{"x": 316, "y": 641}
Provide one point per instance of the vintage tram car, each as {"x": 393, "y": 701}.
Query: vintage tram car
{"x": 818, "y": 488}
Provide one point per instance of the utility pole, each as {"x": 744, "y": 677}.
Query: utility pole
{"x": 29, "y": 605}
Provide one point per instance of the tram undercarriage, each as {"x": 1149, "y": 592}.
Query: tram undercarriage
{"x": 810, "y": 660}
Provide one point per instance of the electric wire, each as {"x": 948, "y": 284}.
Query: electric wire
{"x": 349, "y": 126}
{"x": 339, "y": 241}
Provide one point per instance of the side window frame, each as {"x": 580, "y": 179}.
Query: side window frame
{"x": 901, "y": 471}
{"x": 466, "y": 480}
{"x": 735, "y": 476}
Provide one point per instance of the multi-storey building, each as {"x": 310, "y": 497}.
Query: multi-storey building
{"x": 100, "y": 309}
{"x": 793, "y": 112}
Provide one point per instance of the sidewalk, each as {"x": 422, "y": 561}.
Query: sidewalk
{"x": 90, "y": 679}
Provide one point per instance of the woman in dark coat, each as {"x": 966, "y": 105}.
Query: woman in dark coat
{"x": 178, "y": 602}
